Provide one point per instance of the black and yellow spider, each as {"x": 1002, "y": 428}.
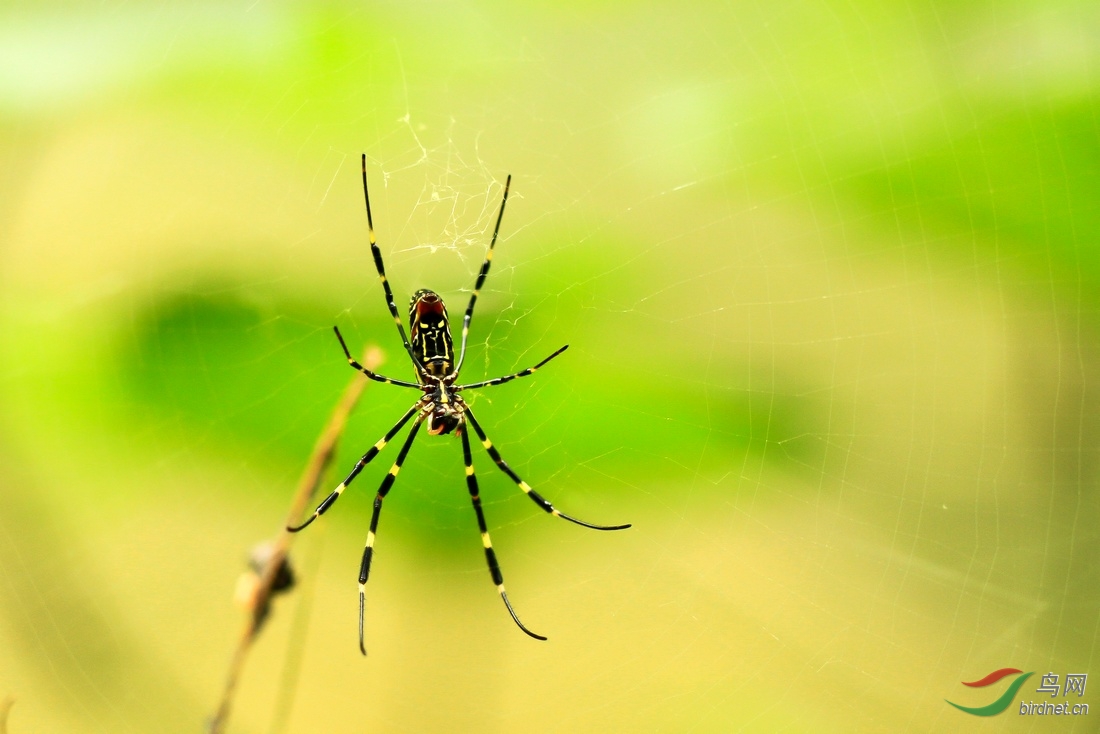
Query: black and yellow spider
{"x": 432, "y": 353}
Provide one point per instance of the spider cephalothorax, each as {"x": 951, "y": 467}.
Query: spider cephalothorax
{"x": 448, "y": 412}
{"x": 431, "y": 350}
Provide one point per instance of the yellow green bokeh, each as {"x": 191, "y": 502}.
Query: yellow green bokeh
{"x": 828, "y": 273}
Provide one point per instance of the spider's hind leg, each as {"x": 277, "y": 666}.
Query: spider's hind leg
{"x": 368, "y": 551}
{"x": 365, "y": 459}
{"x": 490, "y": 554}
{"x": 537, "y": 498}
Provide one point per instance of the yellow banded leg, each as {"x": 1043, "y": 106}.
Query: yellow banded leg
{"x": 327, "y": 502}
{"x": 490, "y": 555}
{"x": 509, "y": 378}
{"x": 481, "y": 276}
{"x": 368, "y": 551}
{"x": 373, "y": 375}
{"x": 381, "y": 268}
{"x": 537, "y": 498}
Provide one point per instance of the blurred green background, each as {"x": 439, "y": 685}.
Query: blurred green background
{"x": 828, "y": 272}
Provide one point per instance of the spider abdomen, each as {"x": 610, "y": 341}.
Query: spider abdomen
{"x": 430, "y": 333}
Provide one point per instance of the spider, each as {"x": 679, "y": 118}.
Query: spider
{"x": 441, "y": 406}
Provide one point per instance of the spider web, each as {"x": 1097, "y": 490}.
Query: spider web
{"x": 828, "y": 280}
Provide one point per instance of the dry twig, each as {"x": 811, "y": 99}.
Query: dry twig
{"x": 5, "y": 709}
{"x": 323, "y": 451}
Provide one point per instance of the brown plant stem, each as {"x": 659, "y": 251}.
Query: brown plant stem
{"x": 5, "y": 709}
{"x": 323, "y": 451}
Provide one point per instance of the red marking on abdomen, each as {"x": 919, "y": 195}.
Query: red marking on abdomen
{"x": 429, "y": 305}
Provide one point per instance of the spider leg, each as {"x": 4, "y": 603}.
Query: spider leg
{"x": 490, "y": 555}
{"x": 373, "y": 375}
{"x": 481, "y": 277}
{"x": 535, "y": 496}
{"x": 377, "y": 253}
{"x": 363, "y": 461}
{"x": 368, "y": 552}
{"x": 508, "y": 378}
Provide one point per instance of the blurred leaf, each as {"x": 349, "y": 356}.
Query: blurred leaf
{"x": 1021, "y": 182}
